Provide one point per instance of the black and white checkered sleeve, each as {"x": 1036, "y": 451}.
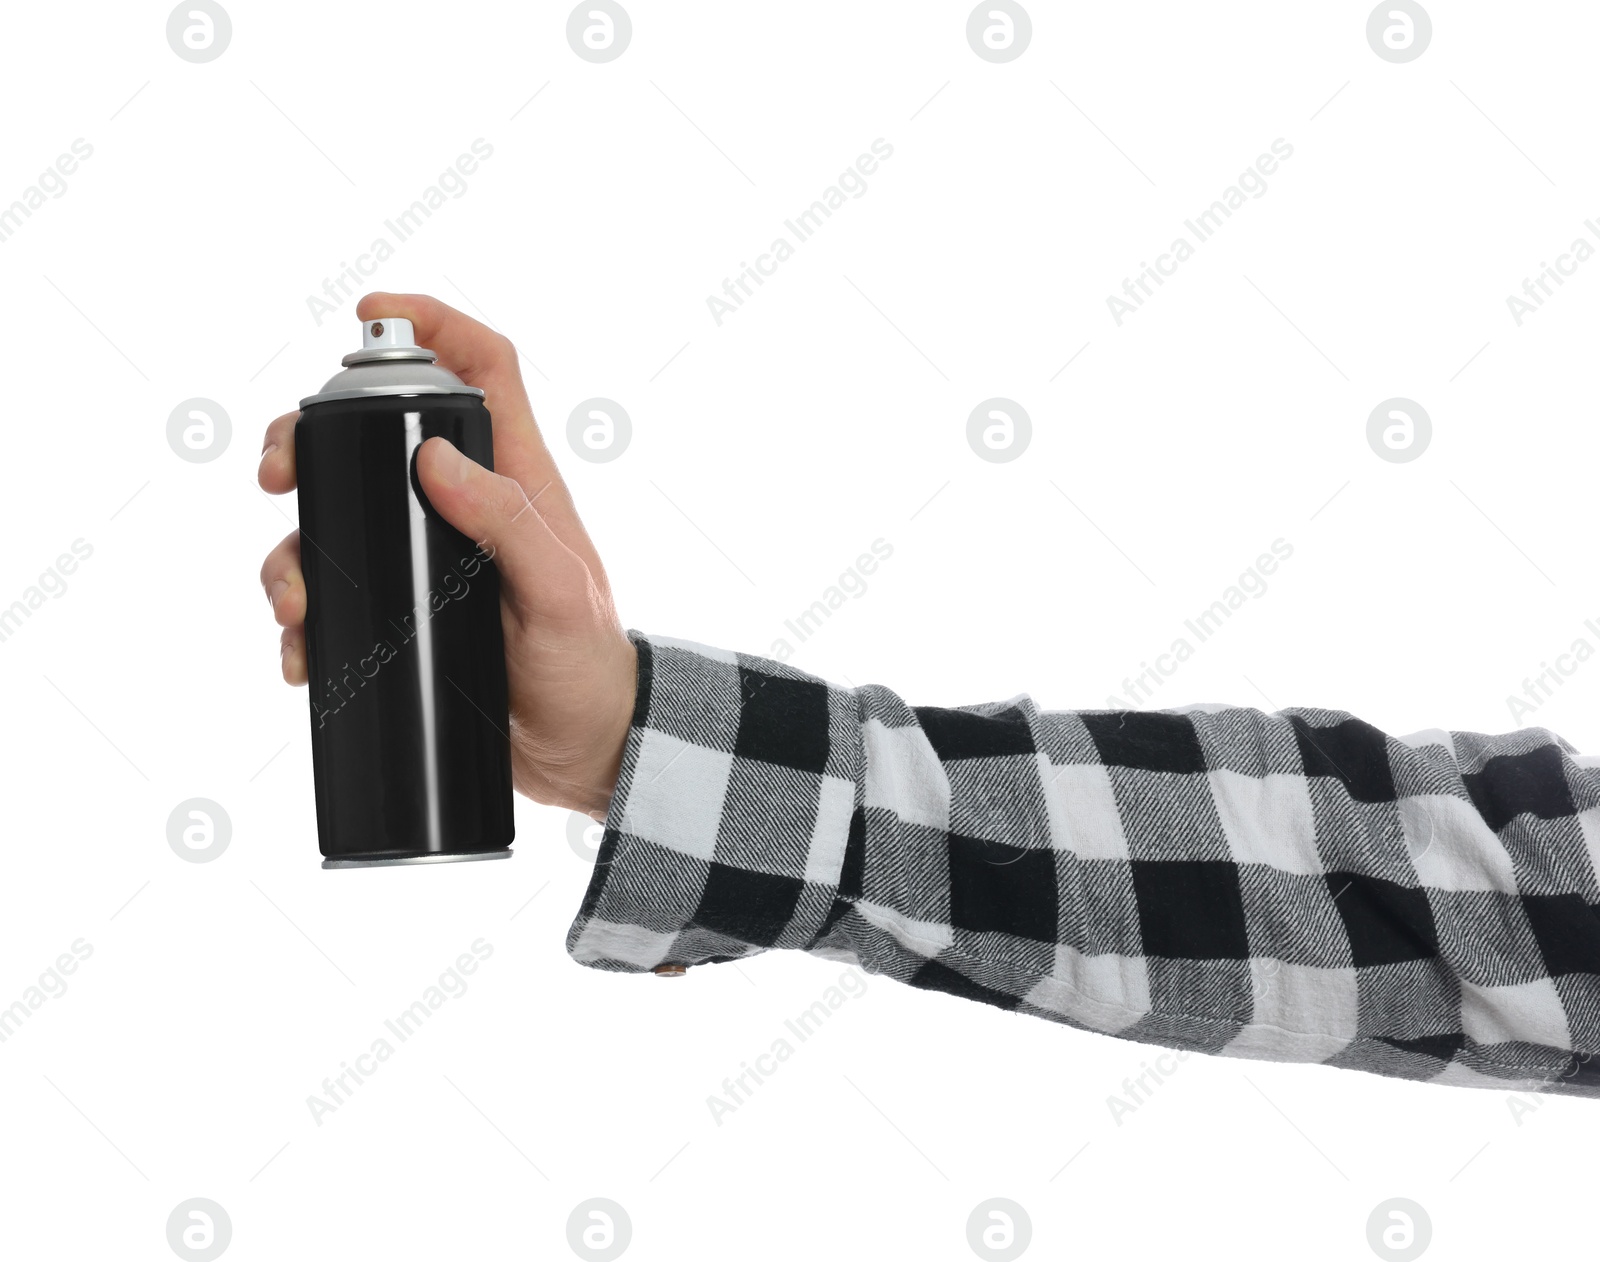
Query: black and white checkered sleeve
{"x": 1295, "y": 886}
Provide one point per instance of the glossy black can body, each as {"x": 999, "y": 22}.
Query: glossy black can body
{"x": 409, "y": 716}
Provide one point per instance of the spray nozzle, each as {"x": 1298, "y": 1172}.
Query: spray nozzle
{"x": 389, "y": 333}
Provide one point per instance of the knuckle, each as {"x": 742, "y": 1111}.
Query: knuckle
{"x": 282, "y": 562}
{"x": 509, "y": 500}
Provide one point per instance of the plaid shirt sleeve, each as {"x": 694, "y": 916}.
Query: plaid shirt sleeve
{"x": 1295, "y": 886}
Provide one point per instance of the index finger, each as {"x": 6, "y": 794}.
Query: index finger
{"x": 486, "y": 359}
{"x": 473, "y": 351}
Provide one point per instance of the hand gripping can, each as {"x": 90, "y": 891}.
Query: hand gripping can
{"x": 410, "y": 728}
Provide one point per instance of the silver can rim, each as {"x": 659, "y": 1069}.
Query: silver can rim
{"x": 409, "y": 859}
{"x": 387, "y": 392}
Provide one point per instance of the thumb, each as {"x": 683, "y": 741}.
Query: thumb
{"x": 496, "y": 514}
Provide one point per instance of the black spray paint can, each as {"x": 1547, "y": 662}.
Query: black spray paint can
{"x": 409, "y": 715}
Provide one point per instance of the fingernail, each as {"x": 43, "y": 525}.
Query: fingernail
{"x": 278, "y": 588}
{"x": 454, "y": 468}
{"x": 268, "y": 450}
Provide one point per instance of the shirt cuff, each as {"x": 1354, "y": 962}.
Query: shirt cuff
{"x": 738, "y": 796}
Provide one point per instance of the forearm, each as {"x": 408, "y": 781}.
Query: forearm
{"x": 1293, "y": 886}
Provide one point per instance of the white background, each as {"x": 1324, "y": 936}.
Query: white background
{"x": 767, "y": 454}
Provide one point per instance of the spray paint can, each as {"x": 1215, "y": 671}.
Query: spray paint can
{"x": 410, "y": 729}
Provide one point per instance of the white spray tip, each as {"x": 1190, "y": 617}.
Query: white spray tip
{"x": 387, "y": 333}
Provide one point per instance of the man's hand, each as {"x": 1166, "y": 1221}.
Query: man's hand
{"x": 571, "y": 668}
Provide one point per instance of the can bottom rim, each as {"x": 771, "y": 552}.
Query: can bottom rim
{"x": 398, "y": 860}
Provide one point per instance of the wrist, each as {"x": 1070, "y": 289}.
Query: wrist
{"x": 618, "y": 697}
